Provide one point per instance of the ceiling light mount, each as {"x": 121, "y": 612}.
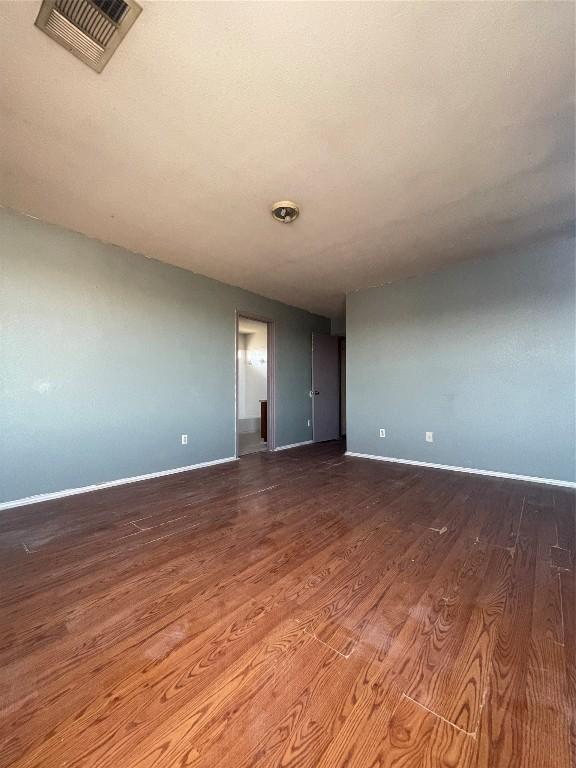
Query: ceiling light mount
{"x": 285, "y": 211}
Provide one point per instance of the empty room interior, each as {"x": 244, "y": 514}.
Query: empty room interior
{"x": 287, "y": 384}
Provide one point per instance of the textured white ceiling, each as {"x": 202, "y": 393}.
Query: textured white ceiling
{"x": 411, "y": 134}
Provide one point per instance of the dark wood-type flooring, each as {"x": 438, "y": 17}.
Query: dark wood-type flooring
{"x": 292, "y": 609}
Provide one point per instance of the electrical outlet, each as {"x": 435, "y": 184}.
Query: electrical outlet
{"x": 429, "y": 437}
{"x": 382, "y": 433}
{"x": 184, "y": 439}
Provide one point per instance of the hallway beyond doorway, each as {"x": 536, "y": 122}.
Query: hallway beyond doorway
{"x": 252, "y": 386}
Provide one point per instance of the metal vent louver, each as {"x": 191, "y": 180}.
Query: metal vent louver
{"x": 90, "y": 29}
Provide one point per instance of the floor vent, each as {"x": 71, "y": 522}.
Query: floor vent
{"x": 90, "y": 29}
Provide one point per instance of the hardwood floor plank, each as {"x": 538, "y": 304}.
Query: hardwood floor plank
{"x": 206, "y": 640}
{"x": 546, "y": 723}
{"x": 293, "y": 609}
{"x": 522, "y": 725}
{"x": 408, "y": 737}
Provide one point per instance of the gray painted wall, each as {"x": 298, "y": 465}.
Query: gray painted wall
{"x": 482, "y": 354}
{"x": 338, "y": 325}
{"x": 107, "y": 357}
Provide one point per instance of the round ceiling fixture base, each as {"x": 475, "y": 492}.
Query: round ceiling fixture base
{"x": 285, "y": 211}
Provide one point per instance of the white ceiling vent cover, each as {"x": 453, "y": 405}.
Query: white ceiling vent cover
{"x": 90, "y": 29}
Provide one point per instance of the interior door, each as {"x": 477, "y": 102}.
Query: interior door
{"x": 325, "y": 387}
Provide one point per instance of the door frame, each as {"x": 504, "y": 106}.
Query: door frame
{"x": 270, "y": 375}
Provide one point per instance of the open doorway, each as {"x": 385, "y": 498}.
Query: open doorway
{"x": 253, "y": 397}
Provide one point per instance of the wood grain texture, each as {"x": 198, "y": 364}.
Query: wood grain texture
{"x": 300, "y": 609}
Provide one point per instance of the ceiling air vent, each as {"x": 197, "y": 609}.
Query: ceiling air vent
{"x": 90, "y": 29}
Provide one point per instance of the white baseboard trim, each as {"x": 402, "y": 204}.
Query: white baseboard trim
{"x": 468, "y": 470}
{"x": 110, "y": 484}
{"x": 293, "y": 445}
